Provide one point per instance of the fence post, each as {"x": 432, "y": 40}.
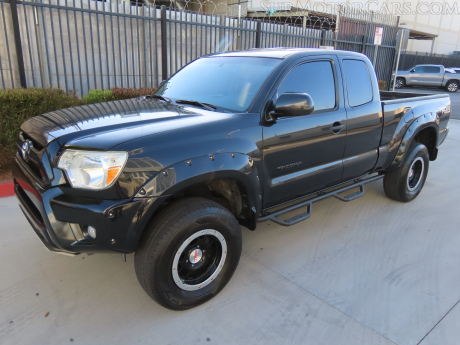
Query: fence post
{"x": 258, "y": 32}
{"x": 323, "y": 37}
{"x": 17, "y": 43}
{"x": 164, "y": 45}
{"x": 363, "y": 44}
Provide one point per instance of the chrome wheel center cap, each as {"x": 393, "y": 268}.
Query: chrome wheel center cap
{"x": 195, "y": 256}
{"x": 411, "y": 173}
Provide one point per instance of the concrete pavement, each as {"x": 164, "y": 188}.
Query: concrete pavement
{"x": 372, "y": 271}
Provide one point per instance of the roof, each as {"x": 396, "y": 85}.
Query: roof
{"x": 281, "y": 53}
{"x": 420, "y": 35}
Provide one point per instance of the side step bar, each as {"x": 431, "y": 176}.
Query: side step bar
{"x": 320, "y": 196}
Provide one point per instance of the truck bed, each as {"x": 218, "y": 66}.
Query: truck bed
{"x": 395, "y": 105}
{"x": 386, "y": 96}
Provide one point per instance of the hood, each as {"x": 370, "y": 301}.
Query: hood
{"x": 105, "y": 125}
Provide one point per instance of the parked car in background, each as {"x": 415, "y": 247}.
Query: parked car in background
{"x": 428, "y": 75}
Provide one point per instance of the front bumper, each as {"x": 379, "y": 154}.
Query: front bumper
{"x": 58, "y": 217}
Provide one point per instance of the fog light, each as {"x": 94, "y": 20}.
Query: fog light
{"x": 92, "y": 232}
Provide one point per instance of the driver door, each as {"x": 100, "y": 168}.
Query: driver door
{"x": 303, "y": 154}
{"x": 415, "y": 77}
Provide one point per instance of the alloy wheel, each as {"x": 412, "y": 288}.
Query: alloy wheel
{"x": 414, "y": 177}
{"x": 199, "y": 260}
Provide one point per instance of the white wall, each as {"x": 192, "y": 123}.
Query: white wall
{"x": 421, "y": 15}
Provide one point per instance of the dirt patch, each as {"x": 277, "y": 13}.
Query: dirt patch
{"x": 6, "y": 163}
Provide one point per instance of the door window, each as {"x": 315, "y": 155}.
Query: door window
{"x": 358, "y": 79}
{"x": 419, "y": 69}
{"x": 432, "y": 69}
{"x": 315, "y": 78}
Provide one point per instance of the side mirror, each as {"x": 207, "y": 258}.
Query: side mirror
{"x": 412, "y": 70}
{"x": 292, "y": 104}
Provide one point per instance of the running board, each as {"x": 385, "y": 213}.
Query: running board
{"x": 320, "y": 196}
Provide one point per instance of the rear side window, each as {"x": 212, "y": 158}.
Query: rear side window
{"x": 315, "y": 78}
{"x": 432, "y": 69}
{"x": 359, "y": 85}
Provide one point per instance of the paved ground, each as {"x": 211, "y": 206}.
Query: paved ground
{"x": 454, "y": 97}
{"x": 372, "y": 271}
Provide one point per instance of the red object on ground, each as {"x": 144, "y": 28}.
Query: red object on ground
{"x": 6, "y": 188}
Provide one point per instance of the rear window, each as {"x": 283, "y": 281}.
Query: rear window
{"x": 359, "y": 85}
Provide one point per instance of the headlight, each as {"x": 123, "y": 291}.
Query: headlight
{"x": 92, "y": 169}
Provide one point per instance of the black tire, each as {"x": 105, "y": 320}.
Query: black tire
{"x": 397, "y": 184}
{"x": 452, "y": 86}
{"x": 400, "y": 83}
{"x": 164, "y": 238}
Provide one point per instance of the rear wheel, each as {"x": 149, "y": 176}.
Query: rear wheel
{"x": 400, "y": 83}
{"x": 189, "y": 253}
{"x": 452, "y": 86}
{"x": 405, "y": 183}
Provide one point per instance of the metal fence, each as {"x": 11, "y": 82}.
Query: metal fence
{"x": 356, "y": 32}
{"x": 83, "y": 44}
{"x": 409, "y": 59}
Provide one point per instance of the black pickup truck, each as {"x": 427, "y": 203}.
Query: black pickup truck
{"x": 231, "y": 139}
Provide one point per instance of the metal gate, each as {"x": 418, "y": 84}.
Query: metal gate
{"x": 83, "y": 44}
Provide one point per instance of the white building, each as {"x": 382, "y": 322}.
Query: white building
{"x": 434, "y": 25}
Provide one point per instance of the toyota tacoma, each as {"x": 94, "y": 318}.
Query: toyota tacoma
{"x": 229, "y": 140}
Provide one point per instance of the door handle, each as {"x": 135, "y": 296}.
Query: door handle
{"x": 337, "y": 127}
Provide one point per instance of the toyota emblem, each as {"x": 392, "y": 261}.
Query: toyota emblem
{"x": 25, "y": 149}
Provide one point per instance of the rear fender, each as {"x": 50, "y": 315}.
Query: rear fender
{"x": 418, "y": 124}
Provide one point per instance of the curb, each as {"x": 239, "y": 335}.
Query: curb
{"x": 6, "y": 188}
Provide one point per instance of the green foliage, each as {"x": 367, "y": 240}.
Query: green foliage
{"x": 18, "y": 105}
{"x": 98, "y": 96}
{"x": 382, "y": 85}
{"x": 125, "y": 93}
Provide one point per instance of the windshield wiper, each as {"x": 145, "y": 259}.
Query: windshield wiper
{"x": 166, "y": 99}
{"x": 206, "y": 106}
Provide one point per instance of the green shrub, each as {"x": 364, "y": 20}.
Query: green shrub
{"x": 18, "y": 105}
{"x": 125, "y": 93}
{"x": 382, "y": 85}
{"x": 98, "y": 96}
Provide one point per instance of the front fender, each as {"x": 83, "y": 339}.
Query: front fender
{"x": 186, "y": 173}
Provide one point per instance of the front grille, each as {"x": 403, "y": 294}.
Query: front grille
{"x": 37, "y": 145}
{"x": 34, "y": 156}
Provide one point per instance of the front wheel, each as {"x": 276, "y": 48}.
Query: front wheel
{"x": 452, "y": 86}
{"x": 189, "y": 253}
{"x": 405, "y": 183}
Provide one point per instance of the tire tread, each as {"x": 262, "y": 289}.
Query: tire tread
{"x": 161, "y": 230}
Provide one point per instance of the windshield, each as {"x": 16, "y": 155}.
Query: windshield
{"x": 225, "y": 82}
